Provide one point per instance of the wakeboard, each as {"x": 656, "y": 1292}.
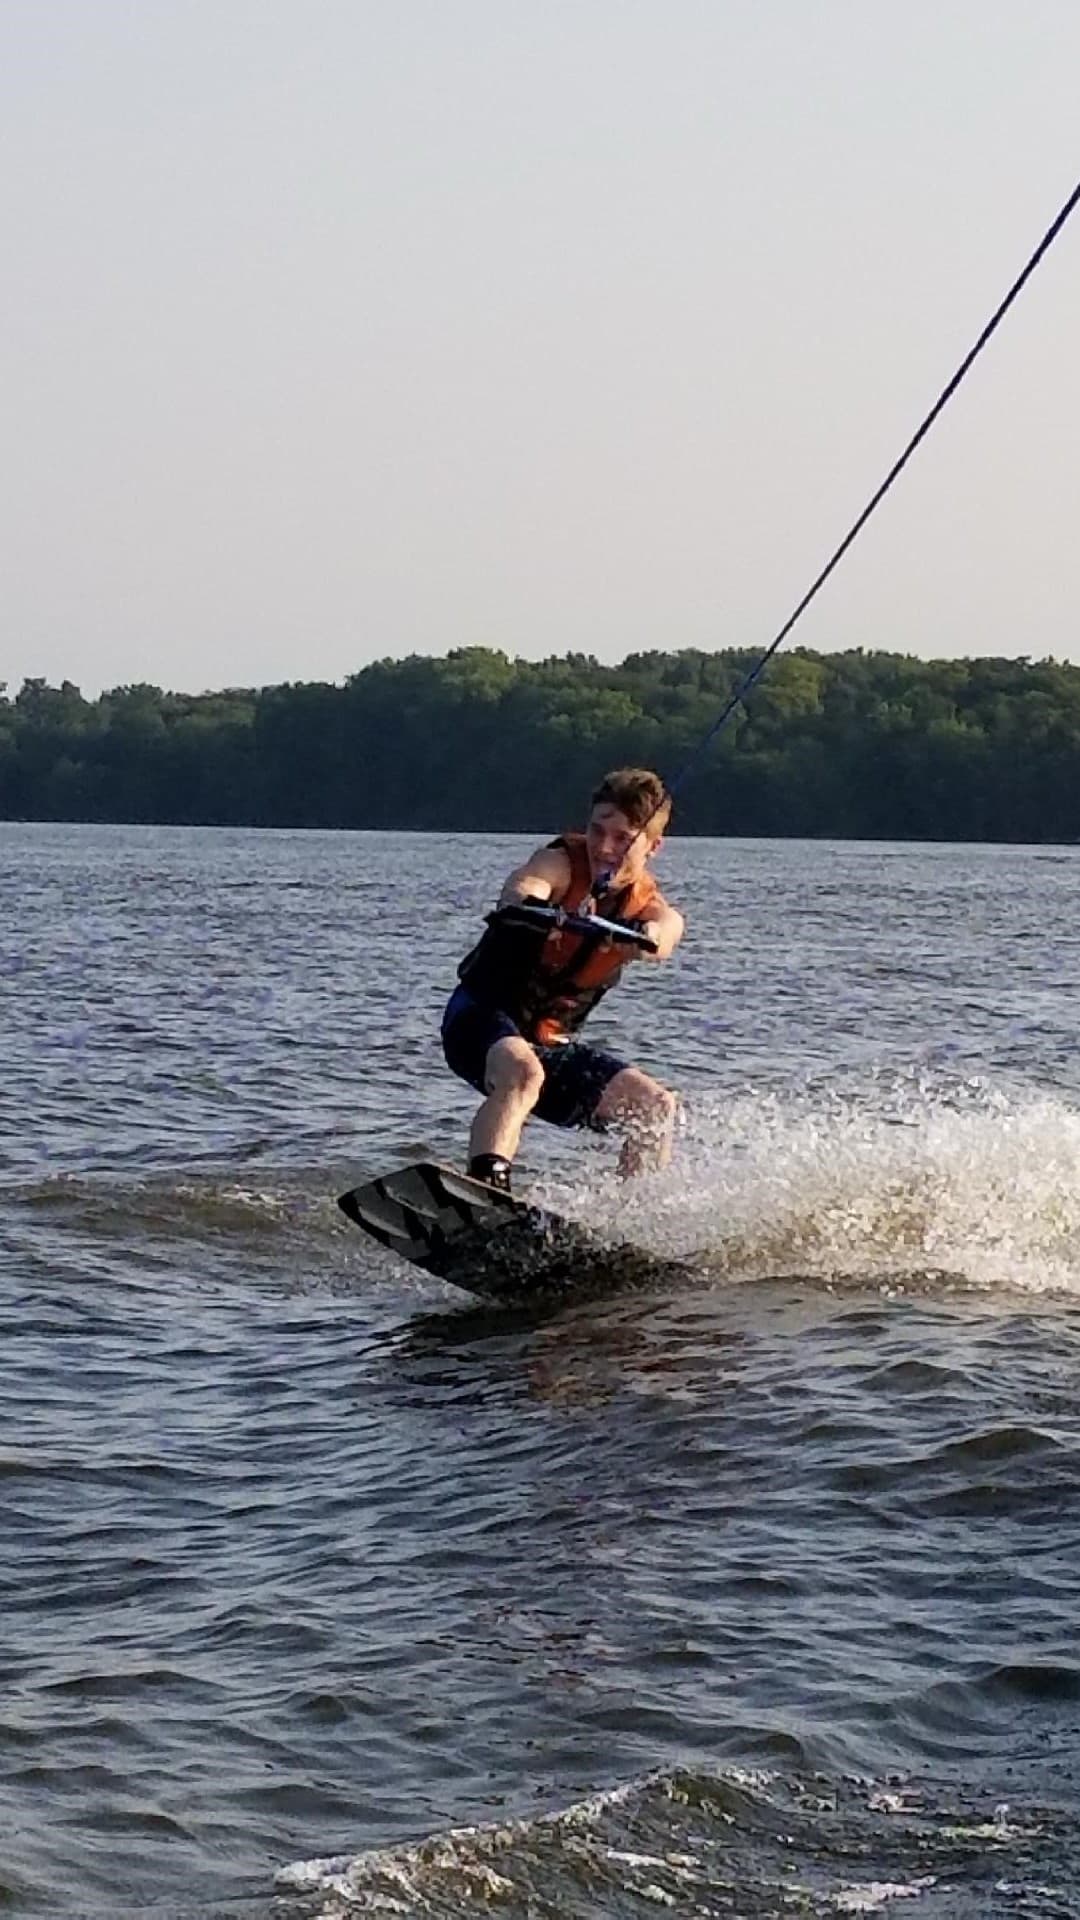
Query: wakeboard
{"x": 490, "y": 1243}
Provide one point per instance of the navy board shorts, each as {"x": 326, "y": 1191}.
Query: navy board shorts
{"x": 575, "y": 1076}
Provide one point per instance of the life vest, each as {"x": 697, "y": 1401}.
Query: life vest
{"x": 548, "y": 982}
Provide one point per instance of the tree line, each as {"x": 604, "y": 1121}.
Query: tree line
{"x": 849, "y": 745}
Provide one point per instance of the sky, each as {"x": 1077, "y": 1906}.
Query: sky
{"x": 335, "y": 330}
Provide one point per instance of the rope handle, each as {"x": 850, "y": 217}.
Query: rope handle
{"x": 621, "y": 933}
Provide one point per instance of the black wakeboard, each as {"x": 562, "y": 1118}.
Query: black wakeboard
{"x": 489, "y": 1243}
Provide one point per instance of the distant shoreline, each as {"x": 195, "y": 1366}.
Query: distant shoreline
{"x": 846, "y": 746}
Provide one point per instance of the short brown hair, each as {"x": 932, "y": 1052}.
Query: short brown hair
{"x": 641, "y": 795}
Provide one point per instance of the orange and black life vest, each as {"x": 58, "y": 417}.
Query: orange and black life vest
{"x": 548, "y": 982}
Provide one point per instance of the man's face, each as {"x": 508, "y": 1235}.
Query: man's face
{"x": 617, "y": 848}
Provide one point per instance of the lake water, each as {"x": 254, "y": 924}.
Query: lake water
{"x": 323, "y": 1592}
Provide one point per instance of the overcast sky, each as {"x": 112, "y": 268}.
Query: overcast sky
{"x": 334, "y": 329}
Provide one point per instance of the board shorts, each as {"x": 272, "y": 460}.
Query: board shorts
{"x": 575, "y": 1076}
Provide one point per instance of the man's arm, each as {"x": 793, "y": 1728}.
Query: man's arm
{"x": 545, "y": 876}
{"x": 666, "y": 927}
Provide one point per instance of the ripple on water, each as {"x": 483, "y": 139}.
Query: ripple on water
{"x": 303, "y": 1559}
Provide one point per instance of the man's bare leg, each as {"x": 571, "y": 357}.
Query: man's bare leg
{"x": 644, "y": 1112}
{"x": 514, "y": 1077}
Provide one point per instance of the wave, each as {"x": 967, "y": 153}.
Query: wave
{"x": 747, "y": 1842}
{"x": 900, "y": 1184}
{"x": 200, "y": 1205}
{"x": 897, "y": 1181}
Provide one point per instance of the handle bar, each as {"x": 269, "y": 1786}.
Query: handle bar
{"x": 522, "y": 913}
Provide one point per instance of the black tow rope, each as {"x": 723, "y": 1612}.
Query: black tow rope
{"x": 750, "y": 680}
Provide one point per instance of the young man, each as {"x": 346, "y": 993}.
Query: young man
{"x": 509, "y": 1028}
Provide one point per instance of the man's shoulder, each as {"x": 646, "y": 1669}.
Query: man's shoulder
{"x": 554, "y": 852}
{"x": 552, "y": 864}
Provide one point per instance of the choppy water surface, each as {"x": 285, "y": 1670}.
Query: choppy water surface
{"x": 323, "y": 1592}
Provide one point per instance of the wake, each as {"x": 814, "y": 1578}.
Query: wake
{"x": 897, "y": 1179}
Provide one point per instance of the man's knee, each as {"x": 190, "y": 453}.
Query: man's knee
{"x": 513, "y": 1069}
{"x": 635, "y": 1099}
